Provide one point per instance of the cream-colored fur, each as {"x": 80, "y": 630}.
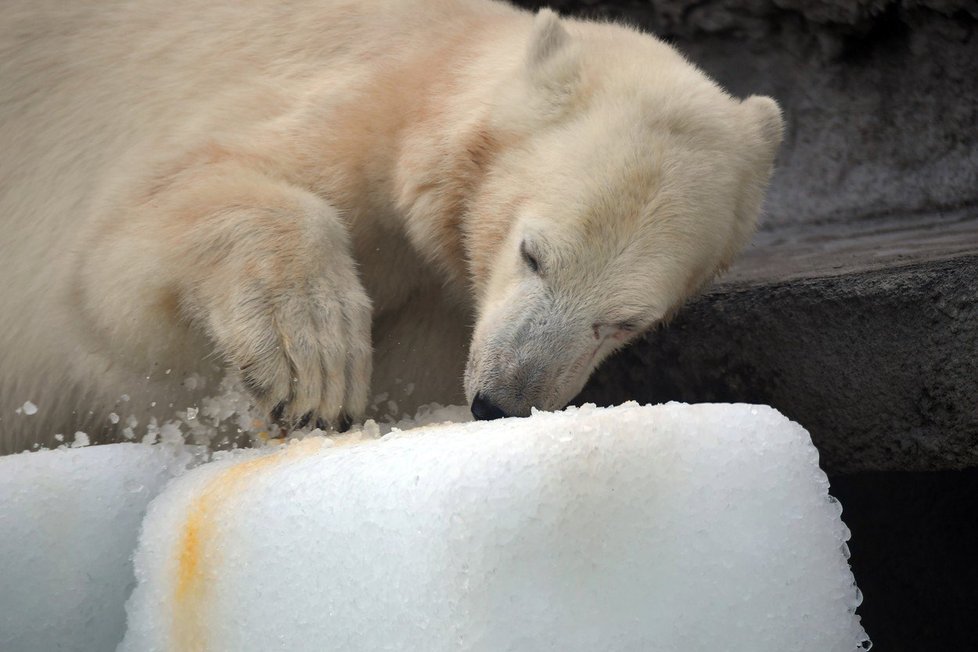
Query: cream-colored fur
{"x": 187, "y": 186}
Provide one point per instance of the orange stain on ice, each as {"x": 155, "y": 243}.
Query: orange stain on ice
{"x": 198, "y": 561}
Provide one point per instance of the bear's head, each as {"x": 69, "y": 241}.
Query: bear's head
{"x": 628, "y": 182}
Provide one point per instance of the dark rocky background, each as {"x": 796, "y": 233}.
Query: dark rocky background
{"x": 855, "y": 310}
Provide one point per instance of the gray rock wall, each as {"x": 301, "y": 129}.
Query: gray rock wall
{"x": 881, "y": 367}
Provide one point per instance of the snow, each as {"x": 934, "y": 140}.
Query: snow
{"x": 29, "y": 408}
{"x": 674, "y": 527}
{"x": 69, "y": 521}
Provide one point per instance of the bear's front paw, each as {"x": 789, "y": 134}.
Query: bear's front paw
{"x": 302, "y": 348}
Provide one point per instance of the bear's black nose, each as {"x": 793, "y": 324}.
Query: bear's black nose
{"x": 485, "y": 410}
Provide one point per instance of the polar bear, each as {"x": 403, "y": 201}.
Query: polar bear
{"x": 457, "y": 195}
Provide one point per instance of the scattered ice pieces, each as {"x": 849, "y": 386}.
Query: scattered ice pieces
{"x": 371, "y": 429}
{"x": 152, "y": 432}
{"x": 80, "y": 440}
{"x": 113, "y": 417}
{"x": 170, "y": 433}
{"x": 29, "y": 408}
{"x": 194, "y": 382}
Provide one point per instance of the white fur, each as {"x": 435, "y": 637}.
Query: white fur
{"x": 189, "y": 185}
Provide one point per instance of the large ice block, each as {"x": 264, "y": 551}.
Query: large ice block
{"x": 69, "y": 521}
{"x": 666, "y": 528}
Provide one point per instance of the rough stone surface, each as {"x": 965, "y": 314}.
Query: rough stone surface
{"x": 815, "y": 251}
{"x": 879, "y": 366}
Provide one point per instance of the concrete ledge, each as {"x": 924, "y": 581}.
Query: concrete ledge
{"x": 878, "y": 364}
{"x": 824, "y": 250}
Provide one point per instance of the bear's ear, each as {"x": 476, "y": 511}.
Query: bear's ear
{"x": 547, "y": 39}
{"x": 549, "y": 54}
{"x": 765, "y": 113}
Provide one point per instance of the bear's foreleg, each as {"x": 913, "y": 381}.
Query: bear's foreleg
{"x": 261, "y": 266}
